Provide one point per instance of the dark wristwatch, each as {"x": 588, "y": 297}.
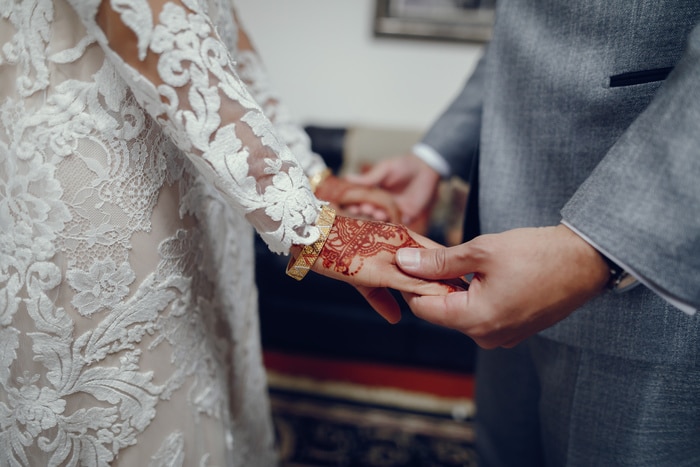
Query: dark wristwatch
{"x": 620, "y": 280}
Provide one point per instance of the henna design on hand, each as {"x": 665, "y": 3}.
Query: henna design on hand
{"x": 354, "y": 240}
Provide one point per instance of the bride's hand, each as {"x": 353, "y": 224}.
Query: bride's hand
{"x": 362, "y": 253}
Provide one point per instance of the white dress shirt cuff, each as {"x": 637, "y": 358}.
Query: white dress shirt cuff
{"x": 685, "y": 307}
{"x": 433, "y": 158}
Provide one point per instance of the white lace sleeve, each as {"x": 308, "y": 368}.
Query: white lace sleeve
{"x": 251, "y": 70}
{"x": 182, "y": 74}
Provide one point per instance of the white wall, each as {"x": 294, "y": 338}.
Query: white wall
{"x": 325, "y": 62}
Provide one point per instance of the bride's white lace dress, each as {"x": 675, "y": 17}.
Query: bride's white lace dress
{"x": 130, "y": 172}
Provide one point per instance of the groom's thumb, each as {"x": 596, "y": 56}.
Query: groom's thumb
{"x": 433, "y": 263}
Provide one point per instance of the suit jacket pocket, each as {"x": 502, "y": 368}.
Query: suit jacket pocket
{"x": 632, "y": 78}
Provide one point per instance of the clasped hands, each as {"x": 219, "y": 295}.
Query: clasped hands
{"x": 360, "y": 249}
{"x": 522, "y": 280}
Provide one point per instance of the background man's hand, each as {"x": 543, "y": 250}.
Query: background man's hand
{"x": 412, "y": 182}
{"x": 359, "y": 200}
{"x": 525, "y": 280}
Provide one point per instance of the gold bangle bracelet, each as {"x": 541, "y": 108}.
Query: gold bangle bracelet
{"x": 316, "y": 179}
{"x": 299, "y": 267}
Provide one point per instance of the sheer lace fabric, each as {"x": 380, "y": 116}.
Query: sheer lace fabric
{"x": 251, "y": 71}
{"x": 128, "y": 168}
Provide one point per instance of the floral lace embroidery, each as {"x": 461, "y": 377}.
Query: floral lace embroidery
{"x": 126, "y": 291}
{"x": 251, "y": 70}
{"x": 197, "y": 90}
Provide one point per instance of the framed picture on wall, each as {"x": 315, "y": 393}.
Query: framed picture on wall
{"x": 449, "y": 20}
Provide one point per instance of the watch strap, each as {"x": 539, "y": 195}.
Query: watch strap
{"x": 620, "y": 280}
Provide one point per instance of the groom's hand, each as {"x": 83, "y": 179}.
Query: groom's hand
{"x": 524, "y": 280}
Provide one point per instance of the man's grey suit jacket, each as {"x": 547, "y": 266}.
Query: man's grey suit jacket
{"x": 590, "y": 112}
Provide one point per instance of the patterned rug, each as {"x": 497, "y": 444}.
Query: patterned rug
{"x": 362, "y": 427}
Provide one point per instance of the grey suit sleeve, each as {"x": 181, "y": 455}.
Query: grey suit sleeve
{"x": 455, "y": 134}
{"x": 642, "y": 203}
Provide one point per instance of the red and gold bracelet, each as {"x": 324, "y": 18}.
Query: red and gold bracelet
{"x": 299, "y": 267}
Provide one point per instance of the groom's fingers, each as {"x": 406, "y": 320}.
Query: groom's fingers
{"x": 463, "y": 311}
{"x": 382, "y": 301}
{"x": 447, "y": 310}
